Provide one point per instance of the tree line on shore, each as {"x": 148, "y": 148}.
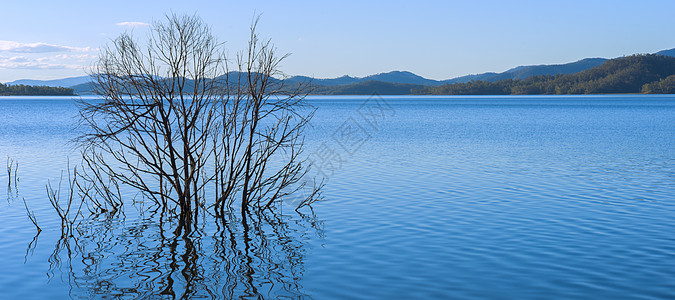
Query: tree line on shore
{"x": 32, "y": 90}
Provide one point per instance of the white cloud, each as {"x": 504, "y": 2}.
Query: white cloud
{"x": 33, "y": 65}
{"x": 132, "y": 24}
{"x": 43, "y": 56}
{"x": 16, "y": 47}
{"x": 40, "y": 63}
{"x": 17, "y": 59}
{"x": 77, "y": 57}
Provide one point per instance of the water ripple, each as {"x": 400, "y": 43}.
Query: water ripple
{"x": 469, "y": 198}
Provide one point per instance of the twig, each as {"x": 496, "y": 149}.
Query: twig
{"x": 31, "y": 216}
{"x": 12, "y": 170}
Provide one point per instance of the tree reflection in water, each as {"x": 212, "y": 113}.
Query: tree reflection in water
{"x": 260, "y": 256}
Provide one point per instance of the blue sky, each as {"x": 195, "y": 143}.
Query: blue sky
{"x": 435, "y": 39}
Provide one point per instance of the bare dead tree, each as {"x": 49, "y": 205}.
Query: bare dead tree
{"x": 178, "y": 126}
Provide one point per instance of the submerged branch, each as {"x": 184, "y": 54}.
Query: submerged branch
{"x": 31, "y": 216}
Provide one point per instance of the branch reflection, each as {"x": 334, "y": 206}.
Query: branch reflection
{"x": 259, "y": 254}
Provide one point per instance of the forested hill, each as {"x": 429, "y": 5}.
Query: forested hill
{"x": 367, "y": 88}
{"x": 30, "y": 90}
{"x": 523, "y": 72}
{"x": 648, "y": 73}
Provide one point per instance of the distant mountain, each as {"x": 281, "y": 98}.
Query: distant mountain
{"x": 408, "y": 80}
{"x": 404, "y": 77}
{"x": 649, "y": 73}
{"x": 569, "y": 68}
{"x": 83, "y": 88}
{"x": 669, "y": 52}
{"x": 327, "y": 81}
{"x": 394, "y": 82}
{"x": 523, "y": 72}
{"x": 490, "y": 76}
{"x": 65, "y": 82}
{"x": 87, "y": 88}
{"x": 368, "y": 88}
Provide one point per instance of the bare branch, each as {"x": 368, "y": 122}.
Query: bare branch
{"x": 177, "y": 125}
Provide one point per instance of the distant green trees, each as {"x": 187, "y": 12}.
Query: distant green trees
{"x": 632, "y": 74}
{"x": 367, "y": 88}
{"x": 30, "y": 90}
{"x": 663, "y": 86}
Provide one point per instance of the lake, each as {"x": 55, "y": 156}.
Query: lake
{"x": 426, "y": 197}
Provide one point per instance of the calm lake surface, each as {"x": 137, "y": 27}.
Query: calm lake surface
{"x": 546, "y": 197}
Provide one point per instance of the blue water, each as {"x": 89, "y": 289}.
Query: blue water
{"x": 553, "y": 197}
